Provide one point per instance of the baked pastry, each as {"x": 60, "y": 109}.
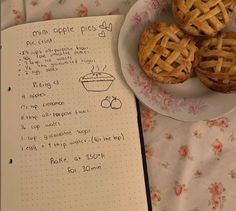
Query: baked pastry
{"x": 216, "y": 66}
{"x": 166, "y": 54}
{"x": 203, "y": 17}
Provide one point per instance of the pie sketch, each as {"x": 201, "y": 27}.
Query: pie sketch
{"x": 97, "y": 81}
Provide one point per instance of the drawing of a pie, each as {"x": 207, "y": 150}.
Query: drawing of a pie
{"x": 97, "y": 81}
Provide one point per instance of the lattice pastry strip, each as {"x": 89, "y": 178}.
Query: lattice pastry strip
{"x": 205, "y": 17}
{"x": 217, "y": 62}
{"x": 166, "y": 53}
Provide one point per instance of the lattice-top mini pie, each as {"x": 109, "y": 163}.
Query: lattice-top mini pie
{"x": 203, "y": 17}
{"x": 217, "y": 62}
{"x": 166, "y": 53}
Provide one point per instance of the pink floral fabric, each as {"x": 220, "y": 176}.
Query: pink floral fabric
{"x": 191, "y": 166}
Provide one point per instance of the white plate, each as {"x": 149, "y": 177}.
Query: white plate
{"x": 189, "y": 101}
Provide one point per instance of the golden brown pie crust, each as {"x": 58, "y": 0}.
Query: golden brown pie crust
{"x": 203, "y": 17}
{"x": 216, "y": 66}
{"x": 166, "y": 54}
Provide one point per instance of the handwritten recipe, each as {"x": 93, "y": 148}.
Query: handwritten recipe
{"x": 72, "y": 132}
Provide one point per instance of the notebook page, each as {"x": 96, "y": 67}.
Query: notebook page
{"x": 70, "y": 138}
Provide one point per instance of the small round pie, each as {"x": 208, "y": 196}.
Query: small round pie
{"x": 216, "y": 66}
{"x": 203, "y": 17}
{"x": 166, "y": 54}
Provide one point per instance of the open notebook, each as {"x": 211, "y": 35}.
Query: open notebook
{"x": 70, "y": 137}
